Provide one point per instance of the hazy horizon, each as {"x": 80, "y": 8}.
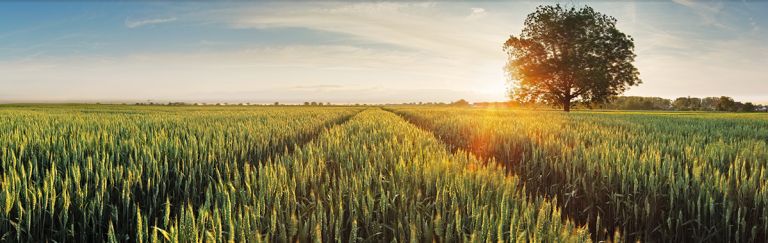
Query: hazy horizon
{"x": 343, "y": 52}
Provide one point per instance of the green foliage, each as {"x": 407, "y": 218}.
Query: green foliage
{"x": 723, "y": 103}
{"x": 564, "y": 54}
{"x": 637, "y": 103}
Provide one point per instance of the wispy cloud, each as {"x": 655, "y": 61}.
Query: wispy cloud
{"x": 420, "y": 27}
{"x": 476, "y": 13}
{"x": 425, "y": 43}
{"x": 131, "y": 23}
{"x": 708, "y": 11}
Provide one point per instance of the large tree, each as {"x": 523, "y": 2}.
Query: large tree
{"x": 567, "y": 54}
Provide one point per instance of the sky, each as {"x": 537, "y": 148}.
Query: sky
{"x": 349, "y": 52}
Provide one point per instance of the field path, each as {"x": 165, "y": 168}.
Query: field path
{"x": 303, "y": 139}
{"x": 365, "y": 176}
{"x": 378, "y": 178}
{"x": 489, "y": 158}
{"x": 668, "y": 178}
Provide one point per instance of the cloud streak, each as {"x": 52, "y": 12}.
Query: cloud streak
{"x": 420, "y": 27}
{"x": 476, "y": 13}
{"x": 132, "y": 24}
{"x": 424, "y": 44}
{"x": 708, "y": 11}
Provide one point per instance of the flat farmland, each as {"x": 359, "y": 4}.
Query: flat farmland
{"x": 370, "y": 174}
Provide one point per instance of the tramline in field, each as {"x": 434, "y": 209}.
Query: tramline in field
{"x": 74, "y": 172}
{"x": 189, "y": 175}
{"x": 650, "y": 176}
{"x": 356, "y": 174}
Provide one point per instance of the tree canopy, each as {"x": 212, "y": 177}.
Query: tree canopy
{"x": 567, "y": 54}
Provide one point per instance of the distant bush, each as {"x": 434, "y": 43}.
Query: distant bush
{"x": 460, "y": 102}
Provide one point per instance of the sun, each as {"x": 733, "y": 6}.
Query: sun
{"x": 492, "y": 86}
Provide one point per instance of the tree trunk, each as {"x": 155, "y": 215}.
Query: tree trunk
{"x": 567, "y": 99}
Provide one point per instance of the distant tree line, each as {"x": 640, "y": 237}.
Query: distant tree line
{"x": 172, "y": 103}
{"x": 421, "y": 103}
{"x": 314, "y": 103}
{"x": 722, "y": 103}
{"x": 460, "y": 102}
{"x": 636, "y": 103}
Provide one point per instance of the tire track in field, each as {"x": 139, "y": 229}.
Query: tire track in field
{"x": 532, "y": 191}
{"x": 448, "y": 145}
{"x": 379, "y": 121}
{"x": 280, "y": 149}
{"x": 196, "y": 200}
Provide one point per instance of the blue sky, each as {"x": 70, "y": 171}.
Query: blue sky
{"x": 348, "y": 52}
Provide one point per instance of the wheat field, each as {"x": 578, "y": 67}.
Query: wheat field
{"x": 378, "y": 174}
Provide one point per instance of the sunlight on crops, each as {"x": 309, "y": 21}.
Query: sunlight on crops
{"x": 366, "y": 174}
{"x": 652, "y": 176}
